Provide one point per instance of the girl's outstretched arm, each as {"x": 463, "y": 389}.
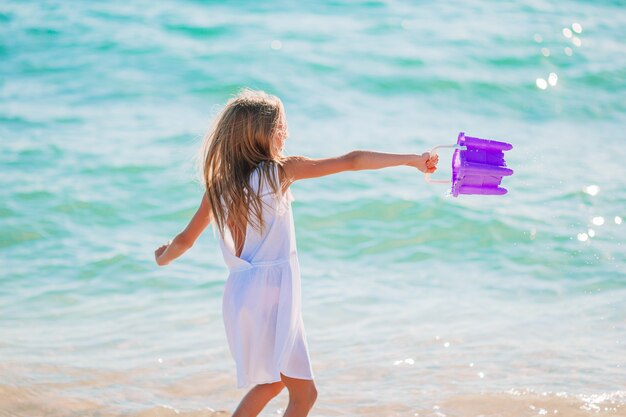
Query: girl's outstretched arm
{"x": 185, "y": 239}
{"x": 300, "y": 167}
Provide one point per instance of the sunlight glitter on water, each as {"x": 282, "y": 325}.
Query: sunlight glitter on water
{"x": 591, "y": 190}
{"x": 541, "y": 83}
{"x": 598, "y": 220}
{"x": 553, "y": 79}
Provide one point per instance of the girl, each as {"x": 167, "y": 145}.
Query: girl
{"x": 247, "y": 197}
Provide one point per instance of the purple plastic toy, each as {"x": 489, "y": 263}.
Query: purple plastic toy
{"x": 477, "y": 166}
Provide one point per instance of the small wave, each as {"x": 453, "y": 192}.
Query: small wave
{"x": 199, "y": 31}
{"x": 120, "y": 169}
{"x": 403, "y": 84}
{"x": 608, "y": 80}
{"x": 6, "y": 212}
{"x": 16, "y": 236}
{"x": 526, "y": 61}
{"x": 376, "y": 227}
{"x": 407, "y": 62}
{"x": 19, "y": 121}
{"x": 34, "y": 196}
{"x": 42, "y": 31}
{"x": 524, "y": 402}
{"x": 39, "y": 400}
{"x": 169, "y": 411}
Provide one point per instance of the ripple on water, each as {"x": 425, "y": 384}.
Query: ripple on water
{"x": 92, "y": 213}
{"x": 516, "y": 403}
{"x": 13, "y": 236}
{"x": 200, "y": 32}
{"x": 5, "y": 17}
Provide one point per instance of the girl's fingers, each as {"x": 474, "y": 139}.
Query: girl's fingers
{"x": 160, "y": 250}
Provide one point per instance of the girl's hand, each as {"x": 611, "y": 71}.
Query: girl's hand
{"x": 431, "y": 162}
{"x": 159, "y": 252}
{"x": 426, "y": 163}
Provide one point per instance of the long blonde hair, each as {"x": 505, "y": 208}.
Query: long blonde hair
{"x": 242, "y": 137}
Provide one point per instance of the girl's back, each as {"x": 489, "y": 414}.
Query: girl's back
{"x": 277, "y": 241}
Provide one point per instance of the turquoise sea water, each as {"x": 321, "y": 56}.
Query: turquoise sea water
{"x": 415, "y": 303}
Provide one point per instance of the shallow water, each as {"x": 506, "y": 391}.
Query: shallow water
{"x": 415, "y": 303}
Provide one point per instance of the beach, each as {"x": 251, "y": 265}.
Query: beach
{"x": 415, "y": 303}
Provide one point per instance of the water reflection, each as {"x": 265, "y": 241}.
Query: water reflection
{"x": 591, "y": 190}
{"x": 541, "y": 83}
{"x": 598, "y": 220}
{"x": 552, "y": 79}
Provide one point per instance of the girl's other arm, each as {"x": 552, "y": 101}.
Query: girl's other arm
{"x": 300, "y": 167}
{"x": 185, "y": 239}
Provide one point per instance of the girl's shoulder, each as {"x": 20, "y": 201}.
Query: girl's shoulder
{"x": 260, "y": 177}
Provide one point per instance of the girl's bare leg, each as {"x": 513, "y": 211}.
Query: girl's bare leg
{"x": 257, "y": 398}
{"x": 302, "y": 396}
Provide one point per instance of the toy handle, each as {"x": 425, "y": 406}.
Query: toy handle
{"x": 432, "y": 152}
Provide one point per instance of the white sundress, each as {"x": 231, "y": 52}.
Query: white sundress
{"x": 262, "y": 303}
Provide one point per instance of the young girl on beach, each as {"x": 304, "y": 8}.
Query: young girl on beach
{"x": 248, "y": 199}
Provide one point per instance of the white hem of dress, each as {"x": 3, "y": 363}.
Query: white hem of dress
{"x": 273, "y": 380}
